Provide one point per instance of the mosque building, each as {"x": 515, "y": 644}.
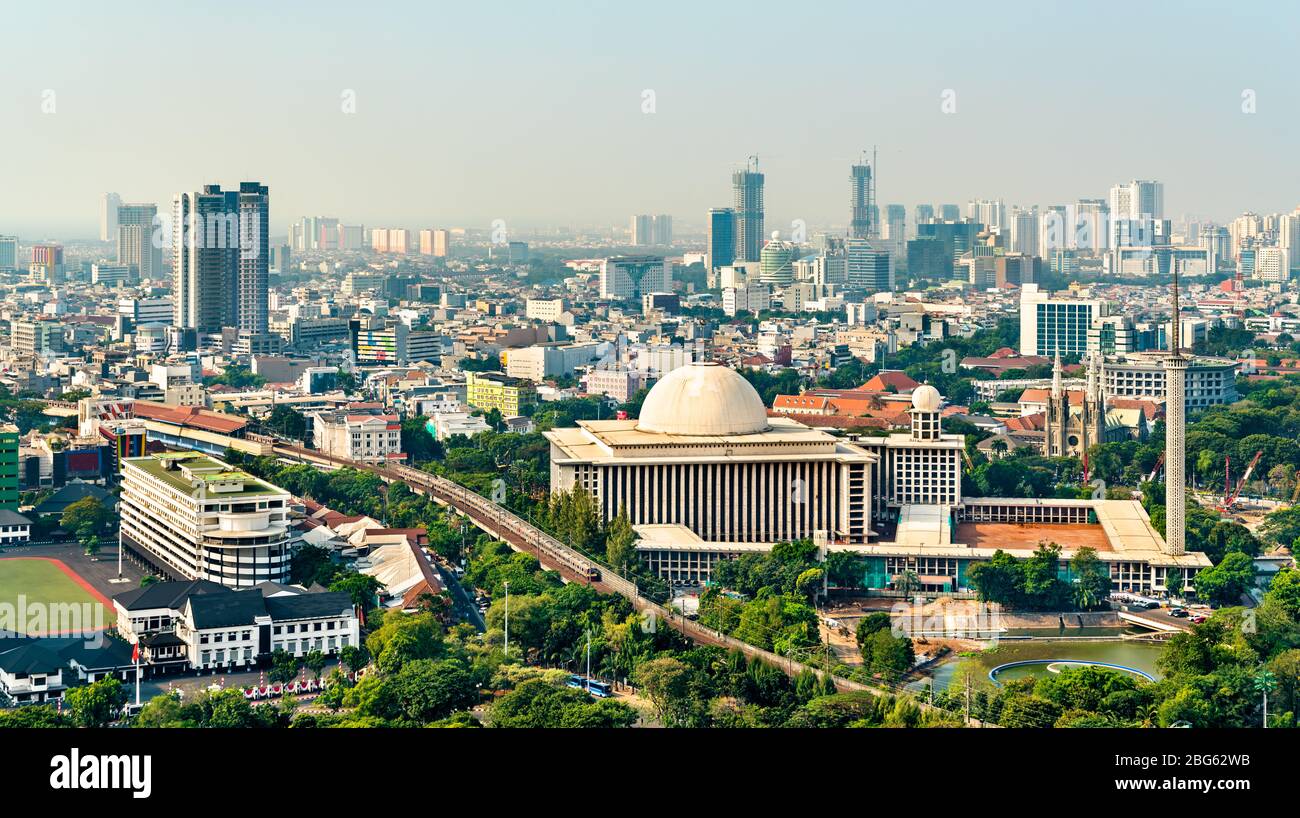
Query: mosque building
{"x": 705, "y": 474}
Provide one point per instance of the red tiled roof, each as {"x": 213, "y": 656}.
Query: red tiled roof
{"x": 188, "y": 416}
{"x": 891, "y": 377}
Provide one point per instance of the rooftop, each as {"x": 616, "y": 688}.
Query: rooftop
{"x": 181, "y": 470}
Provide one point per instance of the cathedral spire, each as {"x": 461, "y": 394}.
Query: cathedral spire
{"x": 1056, "y": 377}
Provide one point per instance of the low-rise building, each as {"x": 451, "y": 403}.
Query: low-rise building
{"x": 360, "y": 431}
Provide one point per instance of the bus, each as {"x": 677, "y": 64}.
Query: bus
{"x": 595, "y": 687}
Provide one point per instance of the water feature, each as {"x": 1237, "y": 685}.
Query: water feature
{"x": 1045, "y": 644}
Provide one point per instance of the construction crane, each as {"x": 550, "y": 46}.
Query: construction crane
{"x": 1230, "y": 500}
{"x": 1160, "y": 461}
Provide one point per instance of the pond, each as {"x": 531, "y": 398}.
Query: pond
{"x": 1141, "y": 655}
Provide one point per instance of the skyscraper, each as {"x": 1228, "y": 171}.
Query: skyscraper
{"x": 747, "y": 185}
{"x": 135, "y": 245}
{"x": 254, "y": 261}
{"x": 663, "y": 230}
{"x": 895, "y": 232}
{"x": 108, "y": 216}
{"x": 861, "y": 202}
{"x": 205, "y": 258}
{"x": 722, "y": 237}
{"x": 8, "y": 252}
{"x": 1024, "y": 231}
{"x": 642, "y": 230}
{"x": 924, "y": 214}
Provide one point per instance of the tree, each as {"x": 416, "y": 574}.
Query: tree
{"x": 998, "y": 579}
{"x": 284, "y": 666}
{"x": 96, "y": 704}
{"x": 363, "y": 588}
{"x": 87, "y": 513}
{"x": 427, "y": 690}
{"x": 667, "y": 682}
{"x": 620, "y": 542}
{"x": 1175, "y": 582}
{"x": 353, "y": 657}
{"x": 287, "y": 421}
{"x": 315, "y": 662}
{"x": 1091, "y": 577}
{"x": 1223, "y": 584}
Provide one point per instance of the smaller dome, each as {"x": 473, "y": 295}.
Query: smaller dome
{"x": 925, "y": 398}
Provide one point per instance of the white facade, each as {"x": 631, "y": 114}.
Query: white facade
{"x": 358, "y": 434}
{"x": 630, "y": 277}
{"x": 195, "y": 517}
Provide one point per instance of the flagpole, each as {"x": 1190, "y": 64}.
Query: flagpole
{"x": 137, "y": 673}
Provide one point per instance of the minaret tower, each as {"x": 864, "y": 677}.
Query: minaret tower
{"x": 1175, "y": 432}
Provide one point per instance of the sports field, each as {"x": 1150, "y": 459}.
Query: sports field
{"x": 44, "y": 585}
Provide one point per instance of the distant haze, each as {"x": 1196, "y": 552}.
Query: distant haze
{"x": 533, "y": 112}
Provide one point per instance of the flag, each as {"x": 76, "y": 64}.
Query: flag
{"x": 135, "y": 653}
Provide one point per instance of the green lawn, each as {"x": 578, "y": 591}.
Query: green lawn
{"x": 42, "y": 584}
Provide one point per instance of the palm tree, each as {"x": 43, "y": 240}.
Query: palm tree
{"x": 907, "y": 582}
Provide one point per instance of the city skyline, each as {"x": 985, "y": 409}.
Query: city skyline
{"x": 624, "y": 124}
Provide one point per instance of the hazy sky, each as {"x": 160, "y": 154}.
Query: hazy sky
{"x": 532, "y": 112}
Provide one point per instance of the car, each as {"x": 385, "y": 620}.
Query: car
{"x": 1198, "y": 619}
{"x": 1181, "y": 613}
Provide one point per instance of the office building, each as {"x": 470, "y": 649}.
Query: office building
{"x": 108, "y": 206}
{"x": 869, "y": 270}
{"x": 1055, "y": 325}
{"x": 722, "y": 237}
{"x": 9, "y": 471}
{"x": 37, "y": 337}
{"x": 110, "y": 275}
{"x": 190, "y": 516}
{"x": 631, "y": 277}
{"x": 747, "y": 190}
{"x": 1272, "y": 264}
{"x": 497, "y": 390}
{"x": 776, "y": 262}
{"x": 376, "y": 342}
{"x": 662, "y": 230}
{"x": 8, "y": 253}
{"x": 1207, "y": 381}
{"x": 47, "y": 263}
{"x": 752, "y": 298}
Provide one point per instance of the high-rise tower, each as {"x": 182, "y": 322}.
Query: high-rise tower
{"x": 1175, "y": 430}
{"x": 862, "y": 194}
{"x": 254, "y": 261}
{"x": 747, "y": 185}
{"x": 205, "y": 246}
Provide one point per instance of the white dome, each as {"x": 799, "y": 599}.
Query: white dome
{"x": 703, "y": 399}
{"x": 925, "y": 398}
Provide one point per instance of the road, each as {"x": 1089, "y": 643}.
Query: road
{"x": 462, "y": 601}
